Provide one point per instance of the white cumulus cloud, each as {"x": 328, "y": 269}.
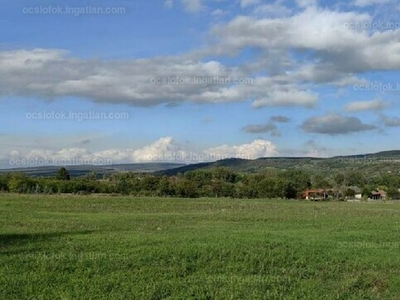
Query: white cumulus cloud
{"x": 192, "y": 6}
{"x": 245, "y": 3}
{"x": 165, "y": 149}
{"x": 374, "y": 105}
{"x": 257, "y": 148}
{"x": 371, "y": 2}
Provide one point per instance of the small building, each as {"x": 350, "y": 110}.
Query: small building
{"x": 316, "y": 194}
{"x": 358, "y": 196}
{"x": 353, "y": 192}
{"x": 378, "y": 195}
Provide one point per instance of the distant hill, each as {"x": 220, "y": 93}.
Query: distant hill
{"x": 75, "y": 171}
{"x": 234, "y": 163}
{"x": 392, "y": 155}
{"x": 381, "y": 162}
{"x": 387, "y": 161}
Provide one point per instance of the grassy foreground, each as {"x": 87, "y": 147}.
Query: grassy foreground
{"x": 103, "y": 247}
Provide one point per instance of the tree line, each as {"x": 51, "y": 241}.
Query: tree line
{"x": 215, "y": 182}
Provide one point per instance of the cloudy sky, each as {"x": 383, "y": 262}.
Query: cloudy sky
{"x": 193, "y": 80}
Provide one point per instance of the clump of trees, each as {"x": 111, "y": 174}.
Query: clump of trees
{"x": 213, "y": 182}
{"x": 63, "y": 174}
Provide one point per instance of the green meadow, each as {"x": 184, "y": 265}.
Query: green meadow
{"x": 105, "y": 247}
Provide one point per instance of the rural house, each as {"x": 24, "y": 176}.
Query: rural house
{"x": 378, "y": 195}
{"x": 316, "y": 194}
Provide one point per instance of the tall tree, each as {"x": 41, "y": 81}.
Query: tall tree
{"x": 63, "y": 174}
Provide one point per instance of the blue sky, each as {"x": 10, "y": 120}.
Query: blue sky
{"x": 192, "y": 80}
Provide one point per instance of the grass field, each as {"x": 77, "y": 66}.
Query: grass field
{"x": 103, "y": 247}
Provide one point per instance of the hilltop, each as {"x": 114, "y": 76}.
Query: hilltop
{"x": 386, "y": 161}
{"x": 372, "y": 163}
{"x": 76, "y": 171}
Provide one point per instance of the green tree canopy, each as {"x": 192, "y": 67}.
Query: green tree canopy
{"x": 63, "y": 174}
